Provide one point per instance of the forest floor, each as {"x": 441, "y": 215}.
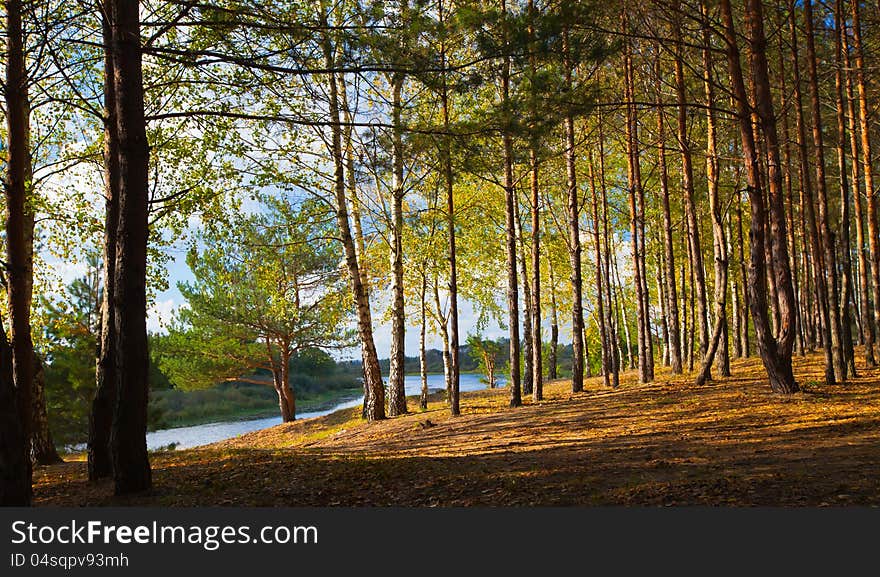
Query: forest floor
{"x": 731, "y": 442}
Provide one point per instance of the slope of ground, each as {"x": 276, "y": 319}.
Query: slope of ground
{"x": 731, "y": 442}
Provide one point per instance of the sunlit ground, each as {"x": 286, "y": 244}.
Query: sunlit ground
{"x": 732, "y": 442}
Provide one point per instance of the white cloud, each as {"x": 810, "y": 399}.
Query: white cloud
{"x": 159, "y": 314}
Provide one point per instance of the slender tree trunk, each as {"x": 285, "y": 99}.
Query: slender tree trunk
{"x": 775, "y": 352}
{"x": 630, "y": 361}
{"x": 588, "y": 369}
{"x": 354, "y": 201}
{"x": 375, "y": 399}
{"x": 128, "y": 438}
{"x": 442, "y": 322}
{"x": 603, "y": 336}
{"x": 687, "y": 174}
{"x": 510, "y": 202}
{"x": 554, "y": 327}
{"x": 867, "y": 157}
{"x": 808, "y": 202}
{"x": 354, "y": 205}
{"x": 743, "y": 335}
{"x": 846, "y": 297}
{"x": 735, "y": 306}
{"x": 768, "y": 259}
{"x": 636, "y": 218}
{"x": 101, "y": 414}
{"x": 787, "y": 179}
{"x": 807, "y": 304}
{"x": 396, "y": 390}
{"x": 490, "y": 372}
{"x": 669, "y": 259}
{"x": 534, "y": 303}
{"x": 824, "y": 224}
{"x": 614, "y": 341}
{"x": 690, "y": 306}
{"x": 574, "y": 236}
{"x": 423, "y": 357}
{"x": 455, "y": 368}
{"x": 865, "y": 313}
{"x": 661, "y": 299}
{"x": 719, "y": 243}
{"x": 527, "y": 383}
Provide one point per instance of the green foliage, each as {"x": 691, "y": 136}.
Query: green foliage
{"x": 69, "y": 342}
{"x": 266, "y": 285}
{"x": 485, "y": 352}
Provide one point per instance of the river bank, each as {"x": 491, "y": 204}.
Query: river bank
{"x": 317, "y": 402}
{"x": 193, "y": 436}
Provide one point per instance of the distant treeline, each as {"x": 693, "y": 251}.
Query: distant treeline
{"x": 469, "y": 363}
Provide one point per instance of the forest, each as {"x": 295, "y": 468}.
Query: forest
{"x": 647, "y": 218}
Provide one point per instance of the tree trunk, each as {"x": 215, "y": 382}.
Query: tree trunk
{"x": 574, "y": 239}
{"x": 554, "y": 327}
{"x": 396, "y": 390}
{"x": 824, "y": 224}
{"x": 846, "y": 297}
{"x": 735, "y": 306}
{"x": 719, "y": 243}
{"x": 375, "y": 397}
{"x": 865, "y": 314}
{"x": 534, "y": 303}
{"x": 621, "y": 305}
{"x": 535, "y": 297}
{"x": 669, "y": 253}
{"x": 18, "y": 216}
{"x": 455, "y": 364}
{"x": 287, "y": 394}
{"x": 442, "y": 322}
{"x": 20, "y": 239}
{"x": 867, "y": 158}
{"x": 661, "y": 299}
{"x": 588, "y": 368}
{"x": 687, "y": 175}
{"x": 510, "y": 202}
{"x": 743, "y": 335}
{"x": 636, "y": 217}
{"x": 787, "y": 179}
{"x": 277, "y": 381}
{"x": 527, "y": 383}
{"x": 15, "y": 463}
{"x": 808, "y": 202}
{"x": 614, "y": 341}
{"x": 42, "y": 446}
{"x": 603, "y": 336}
{"x": 354, "y": 204}
{"x": 128, "y": 438}
{"x": 775, "y": 352}
{"x": 423, "y": 357}
{"x": 101, "y": 415}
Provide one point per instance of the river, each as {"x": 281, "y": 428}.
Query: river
{"x": 188, "y": 437}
